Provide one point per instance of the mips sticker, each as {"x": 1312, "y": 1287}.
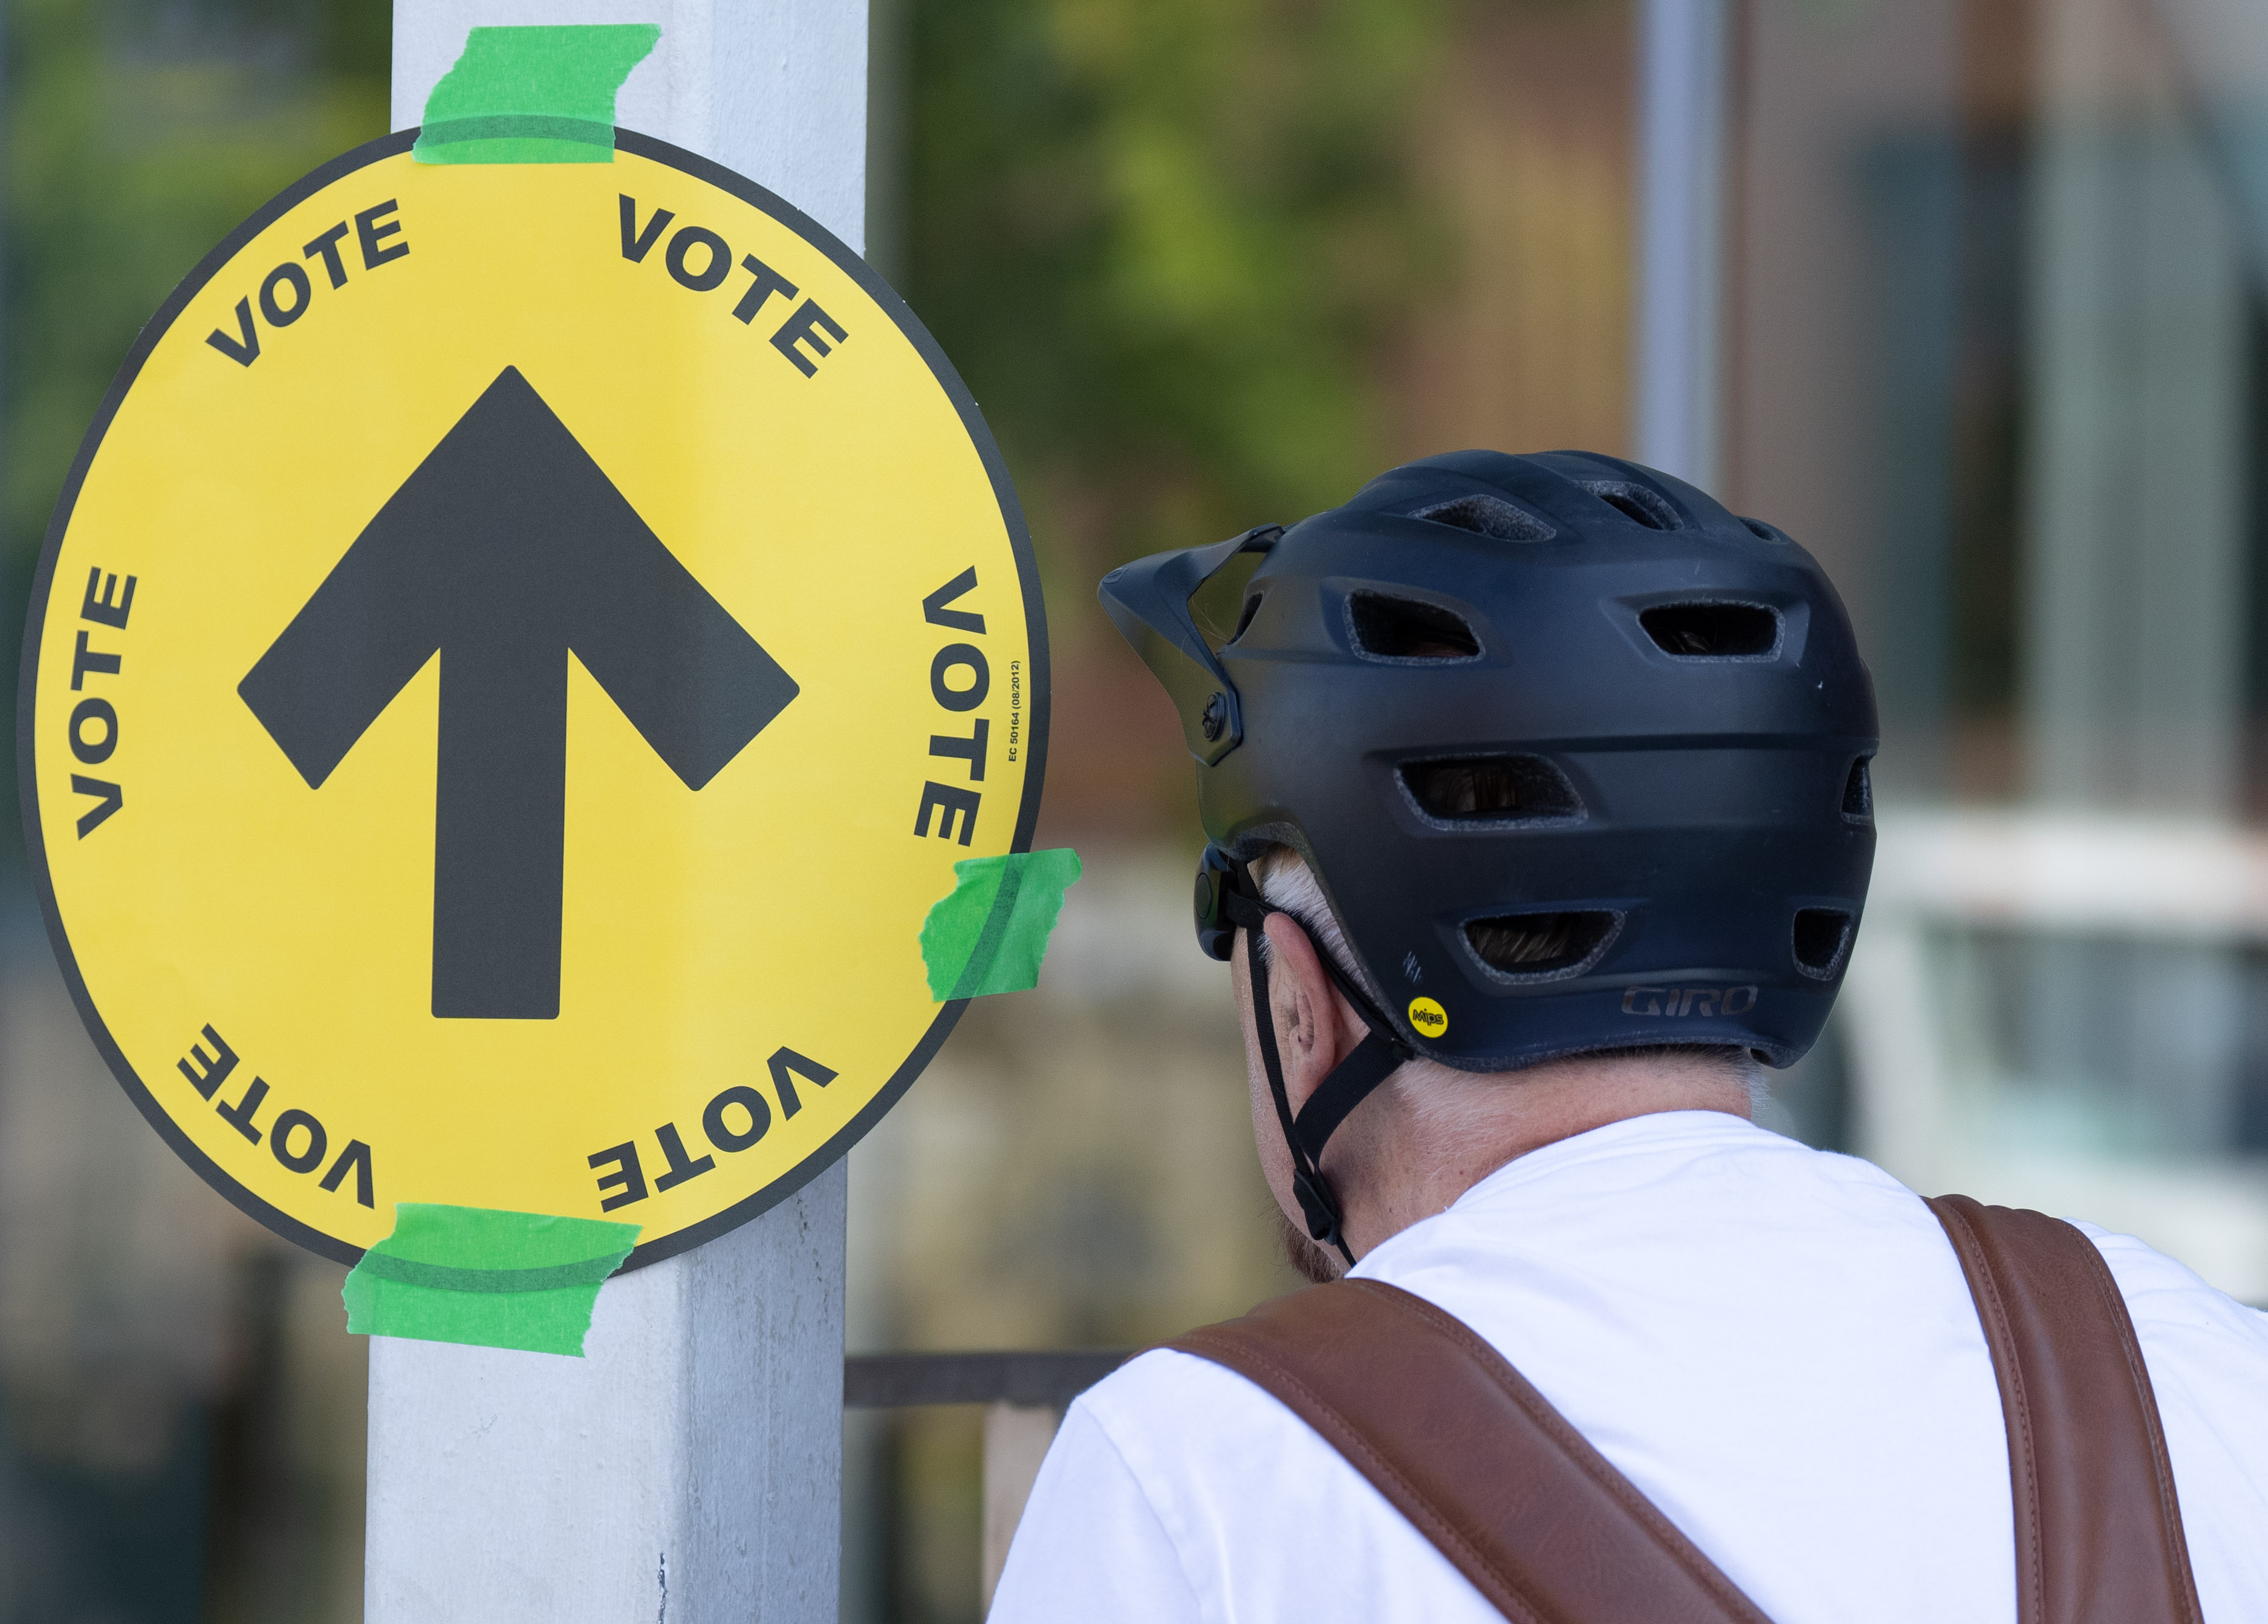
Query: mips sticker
{"x": 1428, "y": 1017}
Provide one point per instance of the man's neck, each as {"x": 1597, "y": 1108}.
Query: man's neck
{"x": 1424, "y": 1140}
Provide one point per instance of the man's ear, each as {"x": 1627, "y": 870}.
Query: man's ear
{"x": 1315, "y": 1027}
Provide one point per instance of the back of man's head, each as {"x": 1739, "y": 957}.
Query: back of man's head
{"x": 1287, "y": 884}
{"x": 1554, "y": 756}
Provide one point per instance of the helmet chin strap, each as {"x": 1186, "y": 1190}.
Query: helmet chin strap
{"x": 1349, "y": 1083}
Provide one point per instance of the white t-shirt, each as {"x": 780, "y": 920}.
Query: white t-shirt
{"x": 1774, "y": 1344}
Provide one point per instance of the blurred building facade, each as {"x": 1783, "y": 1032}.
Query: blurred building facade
{"x": 1995, "y": 341}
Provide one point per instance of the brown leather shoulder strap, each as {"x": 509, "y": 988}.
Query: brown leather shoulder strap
{"x": 1475, "y": 1456}
{"x": 2098, "y": 1528}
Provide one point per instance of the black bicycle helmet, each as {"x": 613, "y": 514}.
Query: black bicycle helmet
{"x": 1578, "y": 757}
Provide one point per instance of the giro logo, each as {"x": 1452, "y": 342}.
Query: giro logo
{"x": 1677, "y": 1000}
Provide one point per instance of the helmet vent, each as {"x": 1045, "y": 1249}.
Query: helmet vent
{"x": 1712, "y": 630}
{"x": 1822, "y": 940}
{"x": 1539, "y": 945}
{"x": 1490, "y": 788}
{"x": 1859, "y": 793}
{"x": 1403, "y": 628}
{"x": 1763, "y": 531}
{"x": 1488, "y": 516}
{"x": 1635, "y": 502}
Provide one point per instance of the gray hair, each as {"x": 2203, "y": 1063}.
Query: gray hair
{"x": 1287, "y": 882}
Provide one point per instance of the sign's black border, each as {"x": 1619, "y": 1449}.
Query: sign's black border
{"x": 1034, "y": 617}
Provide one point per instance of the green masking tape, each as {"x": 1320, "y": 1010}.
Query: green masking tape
{"x": 990, "y": 935}
{"x": 535, "y": 95}
{"x": 494, "y": 1279}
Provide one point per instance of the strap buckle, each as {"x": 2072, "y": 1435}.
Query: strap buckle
{"x": 1320, "y": 1208}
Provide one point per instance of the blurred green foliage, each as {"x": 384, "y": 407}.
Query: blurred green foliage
{"x": 138, "y": 133}
{"x": 1164, "y": 241}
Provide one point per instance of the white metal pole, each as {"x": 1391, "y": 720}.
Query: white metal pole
{"x": 1678, "y": 361}
{"x": 687, "y": 1469}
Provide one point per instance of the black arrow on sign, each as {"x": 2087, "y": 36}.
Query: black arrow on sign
{"x": 505, "y": 550}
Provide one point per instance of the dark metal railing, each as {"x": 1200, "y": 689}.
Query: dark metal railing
{"x": 1054, "y": 1378}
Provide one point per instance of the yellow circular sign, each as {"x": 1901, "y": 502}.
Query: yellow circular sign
{"x": 518, "y": 655}
{"x": 1428, "y": 1017}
